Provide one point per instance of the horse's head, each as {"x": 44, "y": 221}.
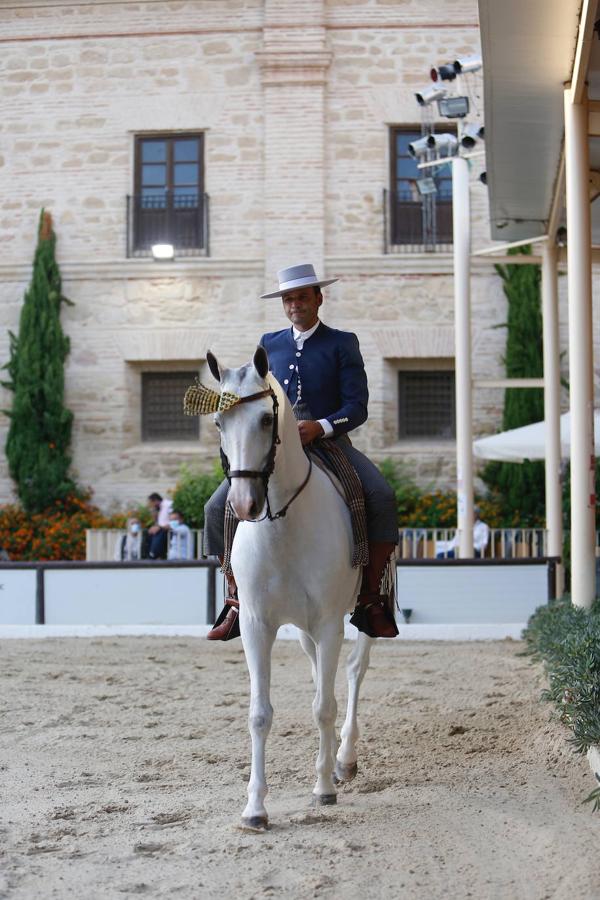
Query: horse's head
{"x": 247, "y": 433}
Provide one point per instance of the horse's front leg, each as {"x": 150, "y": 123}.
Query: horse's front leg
{"x": 325, "y": 711}
{"x": 258, "y": 640}
{"x": 358, "y": 662}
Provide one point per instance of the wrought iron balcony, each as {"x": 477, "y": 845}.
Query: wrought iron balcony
{"x": 414, "y": 224}
{"x": 167, "y": 218}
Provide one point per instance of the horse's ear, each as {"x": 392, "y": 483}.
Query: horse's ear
{"x": 213, "y": 365}
{"x": 261, "y": 362}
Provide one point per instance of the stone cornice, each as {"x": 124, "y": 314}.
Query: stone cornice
{"x": 413, "y": 264}
{"x": 284, "y": 66}
{"x": 425, "y": 341}
{"x": 158, "y": 344}
{"x": 402, "y": 264}
{"x": 128, "y": 269}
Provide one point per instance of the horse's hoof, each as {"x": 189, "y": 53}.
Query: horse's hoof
{"x": 325, "y": 799}
{"x": 255, "y": 823}
{"x": 344, "y": 773}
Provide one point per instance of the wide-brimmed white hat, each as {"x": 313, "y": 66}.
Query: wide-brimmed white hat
{"x": 295, "y": 277}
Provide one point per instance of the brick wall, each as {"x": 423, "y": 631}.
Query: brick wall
{"x": 295, "y": 100}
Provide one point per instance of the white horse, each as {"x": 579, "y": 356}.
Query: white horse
{"x": 290, "y": 569}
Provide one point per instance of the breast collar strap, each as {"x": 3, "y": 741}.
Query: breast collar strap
{"x": 265, "y": 473}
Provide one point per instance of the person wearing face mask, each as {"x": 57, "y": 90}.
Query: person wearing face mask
{"x": 133, "y": 544}
{"x": 181, "y": 545}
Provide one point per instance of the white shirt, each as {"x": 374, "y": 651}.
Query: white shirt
{"x": 300, "y": 337}
{"x": 181, "y": 544}
{"x": 164, "y": 512}
{"x": 481, "y": 536}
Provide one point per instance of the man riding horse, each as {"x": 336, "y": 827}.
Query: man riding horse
{"x": 322, "y": 371}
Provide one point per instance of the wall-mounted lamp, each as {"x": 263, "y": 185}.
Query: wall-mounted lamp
{"x": 163, "y": 251}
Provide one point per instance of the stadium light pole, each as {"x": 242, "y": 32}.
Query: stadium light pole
{"x": 461, "y": 229}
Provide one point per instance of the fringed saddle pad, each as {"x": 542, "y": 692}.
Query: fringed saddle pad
{"x": 335, "y": 460}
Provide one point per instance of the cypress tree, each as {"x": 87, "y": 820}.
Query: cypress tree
{"x": 520, "y": 487}
{"x": 37, "y": 446}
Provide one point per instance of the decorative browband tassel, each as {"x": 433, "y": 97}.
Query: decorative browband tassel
{"x": 200, "y": 400}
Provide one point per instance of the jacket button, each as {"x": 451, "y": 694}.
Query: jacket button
{"x": 286, "y": 381}
{"x": 298, "y": 353}
{"x": 291, "y": 365}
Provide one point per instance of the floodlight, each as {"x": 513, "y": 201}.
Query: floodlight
{"x": 426, "y": 186}
{"x": 483, "y": 180}
{"x": 429, "y": 94}
{"x": 453, "y": 107}
{"x": 420, "y": 146}
{"x": 444, "y": 73}
{"x": 445, "y": 142}
{"x": 471, "y": 134}
{"x": 163, "y": 251}
{"x": 467, "y": 64}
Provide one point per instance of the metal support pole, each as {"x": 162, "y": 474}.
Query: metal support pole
{"x": 552, "y": 407}
{"x": 40, "y": 603}
{"x": 583, "y": 500}
{"x": 461, "y": 223}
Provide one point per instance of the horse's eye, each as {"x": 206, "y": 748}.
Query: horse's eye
{"x": 218, "y": 424}
{"x": 267, "y": 420}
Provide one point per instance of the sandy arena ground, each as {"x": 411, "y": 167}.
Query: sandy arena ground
{"x": 124, "y": 761}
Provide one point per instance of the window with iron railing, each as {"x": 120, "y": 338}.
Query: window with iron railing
{"x": 163, "y": 418}
{"x": 169, "y": 205}
{"x": 415, "y": 221}
{"x": 426, "y": 407}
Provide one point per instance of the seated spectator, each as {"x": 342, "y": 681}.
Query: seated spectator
{"x": 481, "y": 537}
{"x": 159, "y": 532}
{"x": 181, "y": 541}
{"x": 133, "y": 544}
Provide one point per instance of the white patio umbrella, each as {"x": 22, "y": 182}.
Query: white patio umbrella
{"x": 529, "y": 442}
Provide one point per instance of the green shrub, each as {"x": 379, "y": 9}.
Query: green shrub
{"x": 567, "y": 639}
{"x": 193, "y": 490}
{"x": 405, "y": 489}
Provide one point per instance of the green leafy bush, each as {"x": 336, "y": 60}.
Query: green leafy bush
{"x": 193, "y": 490}
{"x": 431, "y": 509}
{"x": 405, "y": 489}
{"x": 567, "y": 639}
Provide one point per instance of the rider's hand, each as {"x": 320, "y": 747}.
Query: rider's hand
{"x": 309, "y": 431}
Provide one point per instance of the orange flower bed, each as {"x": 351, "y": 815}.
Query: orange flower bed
{"x": 57, "y": 533}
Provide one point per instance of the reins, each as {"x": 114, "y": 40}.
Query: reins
{"x": 265, "y": 474}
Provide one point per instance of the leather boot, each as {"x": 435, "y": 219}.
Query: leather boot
{"x": 372, "y": 613}
{"x": 227, "y": 625}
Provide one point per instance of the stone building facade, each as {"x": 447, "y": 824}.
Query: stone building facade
{"x": 294, "y": 103}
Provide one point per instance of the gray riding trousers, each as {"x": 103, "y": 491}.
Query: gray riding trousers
{"x": 380, "y": 503}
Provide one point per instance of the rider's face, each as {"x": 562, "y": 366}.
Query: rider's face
{"x": 302, "y": 307}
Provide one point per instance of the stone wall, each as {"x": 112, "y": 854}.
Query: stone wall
{"x": 295, "y": 100}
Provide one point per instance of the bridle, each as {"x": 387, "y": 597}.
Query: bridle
{"x": 265, "y": 474}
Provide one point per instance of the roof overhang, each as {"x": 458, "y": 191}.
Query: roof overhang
{"x": 528, "y": 50}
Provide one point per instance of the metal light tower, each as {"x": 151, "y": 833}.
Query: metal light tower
{"x": 455, "y": 106}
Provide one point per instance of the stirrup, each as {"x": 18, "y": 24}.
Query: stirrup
{"x": 373, "y": 616}
{"x": 227, "y": 626}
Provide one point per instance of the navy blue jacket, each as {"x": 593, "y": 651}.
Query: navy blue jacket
{"x": 331, "y": 370}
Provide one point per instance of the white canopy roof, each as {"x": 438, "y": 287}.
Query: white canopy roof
{"x": 529, "y": 442}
